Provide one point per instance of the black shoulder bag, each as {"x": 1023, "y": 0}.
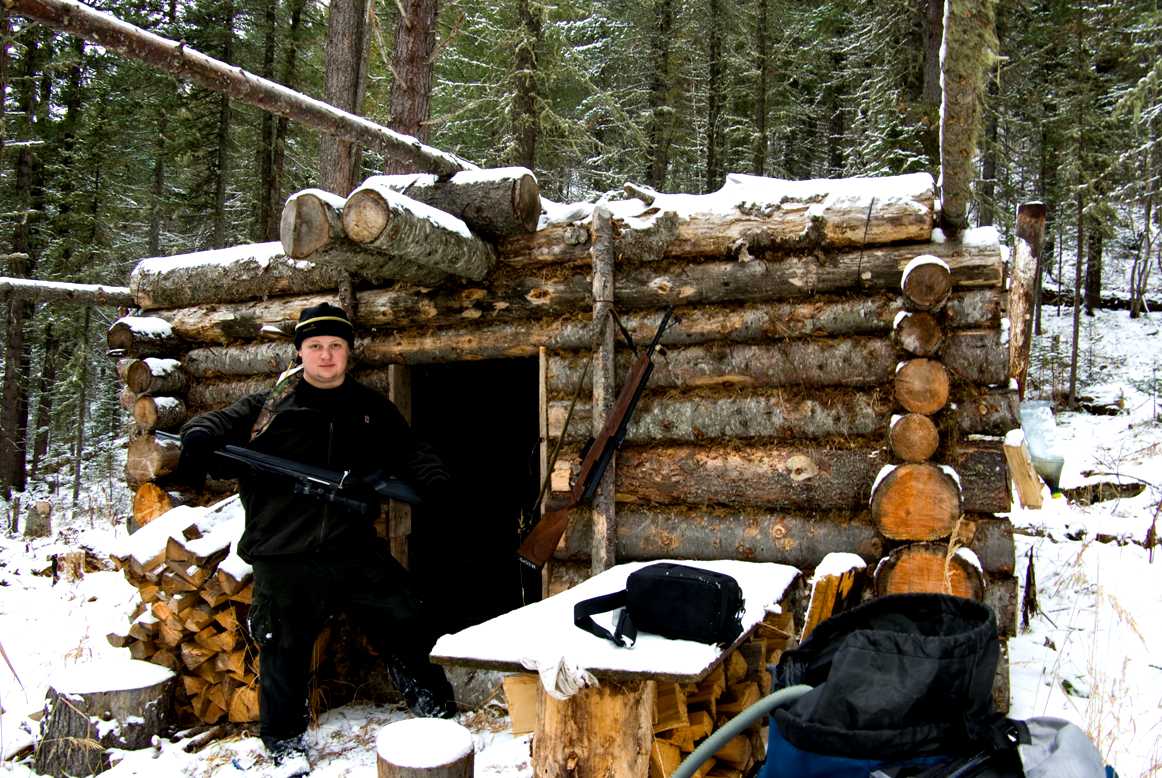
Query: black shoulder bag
{"x": 671, "y": 600}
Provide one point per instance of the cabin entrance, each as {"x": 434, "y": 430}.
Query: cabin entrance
{"x": 483, "y": 419}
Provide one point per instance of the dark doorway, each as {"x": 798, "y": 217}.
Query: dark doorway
{"x": 482, "y": 417}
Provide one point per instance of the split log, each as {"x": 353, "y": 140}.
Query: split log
{"x": 599, "y": 732}
{"x": 1028, "y": 483}
{"x": 793, "y": 478}
{"x": 424, "y": 748}
{"x": 250, "y": 272}
{"x": 926, "y": 283}
{"x": 916, "y": 502}
{"x": 141, "y": 336}
{"x": 149, "y": 458}
{"x": 494, "y": 203}
{"x": 928, "y": 567}
{"x": 913, "y": 437}
{"x": 90, "y": 709}
{"x": 647, "y": 532}
{"x": 189, "y": 64}
{"x": 836, "y": 586}
{"x": 38, "y": 291}
{"x": 151, "y": 501}
{"x": 405, "y": 228}
{"x": 161, "y": 413}
{"x": 154, "y": 375}
{"x": 918, "y": 333}
{"x": 311, "y": 227}
{"x": 922, "y": 386}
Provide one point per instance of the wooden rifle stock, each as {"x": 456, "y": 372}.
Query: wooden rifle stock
{"x": 542, "y": 540}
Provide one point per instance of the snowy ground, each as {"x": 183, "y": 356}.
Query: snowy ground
{"x": 1093, "y": 655}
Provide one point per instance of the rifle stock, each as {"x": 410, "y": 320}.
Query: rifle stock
{"x": 542, "y": 540}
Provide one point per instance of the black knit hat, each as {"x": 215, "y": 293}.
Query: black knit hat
{"x": 324, "y": 319}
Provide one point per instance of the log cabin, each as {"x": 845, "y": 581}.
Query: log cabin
{"x": 840, "y": 379}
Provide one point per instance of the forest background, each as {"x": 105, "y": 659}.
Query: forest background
{"x": 105, "y": 161}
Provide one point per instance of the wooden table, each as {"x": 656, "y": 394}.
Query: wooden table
{"x": 603, "y": 730}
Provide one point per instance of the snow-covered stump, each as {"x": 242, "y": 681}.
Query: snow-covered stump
{"x": 424, "y": 748}
{"x": 92, "y": 708}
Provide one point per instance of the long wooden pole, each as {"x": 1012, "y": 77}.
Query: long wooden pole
{"x": 186, "y": 63}
{"x": 604, "y": 554}
{"x": 61, "y": 292}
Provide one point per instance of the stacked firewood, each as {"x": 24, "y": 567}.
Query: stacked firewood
{"x": 195, "y": 597}
{"x": 686, "y": 714}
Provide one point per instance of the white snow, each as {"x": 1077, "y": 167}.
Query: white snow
{"x": 98, "y": 676}
{"x": 262, "y": 253}
{"x": 419, "y": 743}
{"x": 398, "y": 202}
{"x": 838, "y": 563}
{"x": 147, "y": 326}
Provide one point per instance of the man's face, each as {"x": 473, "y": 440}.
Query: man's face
{"x": 324, "y": 360}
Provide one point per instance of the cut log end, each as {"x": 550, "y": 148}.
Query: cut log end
{"x": 914, "y": 438}
{"x": 365, "y": 215}
{"x": 928, "y": 567}
{"x": 919, "y": 334}
{"x": 526, "y": 202}
{"x": 927, "y": 285}
{"x": 922, "y": 386}
{"x": 304, "y": 227}
{"x": 916, "y": 502}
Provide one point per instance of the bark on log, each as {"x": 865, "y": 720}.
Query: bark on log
{"x": 1025, "y": 265}
{"x": 186, "y": 63}
{"x": 60, "y": 292}
{"x": 149, "y": 502}
{"x": 154, "y": 375}
{"x": 918, "y": 333}
{"x": 791, "y": 478}
{"x": 249, "y": 272}
{"x": 149, "y": 459}
{"x": 404, "y": 228}
{"x": 311, "y": 226}
{"x": 807, "y": 362}
{"x": 494, "y": 203}
{"x": 926, "y": 283}
{"x": 142, "y": 336}
{"x": 1001, "y": 595}
{"x": 599, "y": 732}
{"x": 689, "y": 532}
{"x": 126, "y": 398}
{"x": 83, "y": 721}
{"x": 251, "y": 359}
{"x": 928, "y": 567}
{"x": 922, "y": 386}
{"x": 992, "y": 542}
{"x": 160, "y": 413}
{"x": 913, "y": 437}
{"x": 209, "y": 395}
{"x": 916, "y": 502}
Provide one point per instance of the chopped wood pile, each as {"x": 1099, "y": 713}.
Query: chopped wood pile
{"x": 195, "y": 597}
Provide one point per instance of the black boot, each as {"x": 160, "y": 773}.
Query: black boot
{"x": 289, "y": 757}
{"x": 430, "y": 696}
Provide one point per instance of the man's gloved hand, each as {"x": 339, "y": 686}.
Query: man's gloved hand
{"x": 198, "y": 446}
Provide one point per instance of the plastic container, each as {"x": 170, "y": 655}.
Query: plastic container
{"x": 1041, "y": 435}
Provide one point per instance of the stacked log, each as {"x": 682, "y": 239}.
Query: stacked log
{"x": 686, "y": 714}
{"x": 195, "y": 596}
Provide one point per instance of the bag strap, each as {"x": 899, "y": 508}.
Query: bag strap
{"x": 625, "y": 631}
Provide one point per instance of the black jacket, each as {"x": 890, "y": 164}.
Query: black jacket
{"x": 351, "y": 427}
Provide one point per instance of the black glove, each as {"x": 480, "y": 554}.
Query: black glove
{"x": 198, "y": 446}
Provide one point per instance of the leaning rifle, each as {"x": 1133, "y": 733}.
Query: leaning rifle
{"x": 342, "y": 488}
{"x": 542, "y": 540}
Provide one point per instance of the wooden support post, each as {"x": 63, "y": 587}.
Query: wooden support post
{"x": 1025, "y": 291}
{"x": 604, "y": 553}
{"x": 399, "y": 514}
{"x": 599, "y": 732}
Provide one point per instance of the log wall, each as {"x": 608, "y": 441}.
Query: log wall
{"x": 807, "y": 329}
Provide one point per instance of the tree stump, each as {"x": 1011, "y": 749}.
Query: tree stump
{"x": 599, "y": 732}
{"x": 38, "y": 520}
{"x": 91, "y": 708}
{"x": 424, "y": 748}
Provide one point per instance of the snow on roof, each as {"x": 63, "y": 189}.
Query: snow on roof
{"x": 147, "y": 326}
{"x": 263, "y": 253}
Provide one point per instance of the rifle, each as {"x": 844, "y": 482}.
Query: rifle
{"x": 320, "y": 483}
{"x": 539, "y": 544}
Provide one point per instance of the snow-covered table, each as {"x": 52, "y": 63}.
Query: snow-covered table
{"x": 607, "y": 722}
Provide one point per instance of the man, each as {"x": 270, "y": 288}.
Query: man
{"x": 311, "y": 556}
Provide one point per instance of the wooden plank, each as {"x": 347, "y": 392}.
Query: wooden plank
{"x": 1021, "y": 470}
{"x": 522, "y": 691}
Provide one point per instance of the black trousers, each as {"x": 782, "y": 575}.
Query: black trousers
{"x": 293, "y": 598}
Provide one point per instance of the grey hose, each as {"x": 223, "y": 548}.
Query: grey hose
{"x": 720, "y": 736}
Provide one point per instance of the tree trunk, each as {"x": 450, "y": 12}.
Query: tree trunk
{"x": 264, "y": 223}
{"x": 526, "y": 125}
{"x": 713, "y": 95}
{"x": 220, "y": 170}
{"x": 1093, "y": 263}
{"x": 493, "y": 203}
{"x": 345, "y": 77}
{"x": 187, "y": 63}
{"x": 62, "y": 292}
{"x": 658, "y": 127}
{"x": 82, "y": 406}
{"x": 1078, "y": 267}
{"x": 916, "y": 502}
{"x": 402, "y": 228}
{"x": 969, "y": 43}
{"x": 278, "y": 152}
{"x": 44, "y": 392}
{"x": 932, "y": 12}
{"x": 411, "y": 86}
{"x": 1024, "y": 289}
{"x": 599, "y": 732}
{"x": 604, "y": 390}
{"x": 928, "y": 567}
{"x": 758, "y": 165}
{"x": 986, "y": 194}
